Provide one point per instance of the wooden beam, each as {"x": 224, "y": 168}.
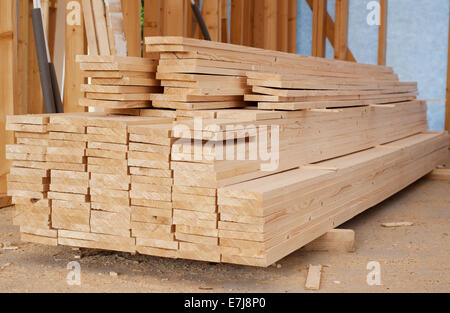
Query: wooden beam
{"x": 292, "y": 26}
{"x": 283, "y": 25}
{"x": 224, "y": 21}
{"x": 382, "y": 32}
{"x": 341, "y": 30}
{"x": 336, "y": 240}
{"x": 22, "y": 56}
{"x": 270, "y": 25}
{"x": 211, "y": 14}
{"x": 90, "y": 27}
{"x": 173, "y": 18}
{"x": 447, "y": 103}
{"x": 8, "y": 13}
{"x": 249, "y": 14}
{"x": 319, "y": 28}
{"x": 330, "y": 29}
{"x": 131, "y": 10}
{"x": 76, "y": 43}
{"x": 152, "y": 19}
{"x": 258, "y": 24}
{"x": 237, "y": 22}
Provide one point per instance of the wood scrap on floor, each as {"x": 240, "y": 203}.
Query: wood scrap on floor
{"x": 313, "y": 278}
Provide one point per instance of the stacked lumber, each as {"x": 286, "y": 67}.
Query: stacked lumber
{"x": 299, "y": 91}
{"x": 29, "y": 178}
{"x": 118, "y": 82}
{"x": 198, "y": 74}
{"x": 263, "y": 220}
{"x": 151, "y": 189}
{"x": 69, "y": 179}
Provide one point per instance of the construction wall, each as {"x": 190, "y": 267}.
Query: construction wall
{"x": 417, "y": 43}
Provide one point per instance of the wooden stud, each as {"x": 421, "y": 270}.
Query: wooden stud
{"x": 258, "y": 24}
{"x": 330, "y": 29}
{"x": 319, "y": 28}
{"x": 270, "y": 24}
{"x": 382, "y": 32}
{"x": 336, "y": 240}
{"x": 237, "y": 22}
{"x": 249, "y": 12}
{"x": 447, "y": 103}
{"x": 341, "y": 30}
{"x": 152, "y": 19}
{"x": 283, "y": 25}
{"x": 292, "y": 26}
{"x": 132, "y": 25}
{"x": 224, "y": 21}
{"x": 174, "y": 23}
{"x": 211, "y": 14}
{"x": 75, "y": 45}
{"x": 98, "y": 7}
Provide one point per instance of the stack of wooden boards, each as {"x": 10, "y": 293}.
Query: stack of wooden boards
{"x": 209, "y": 176}
{"x": 198, "y": 74}
{"x": 118, "y": 82}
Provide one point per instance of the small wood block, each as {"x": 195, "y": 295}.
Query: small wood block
{"x": 313, "y": 279}
{"x": 339, "y": 240}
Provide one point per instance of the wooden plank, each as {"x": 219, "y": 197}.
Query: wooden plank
{"x": 292, "y": 26}
{"x": 75, "y": 44}
{"x": 319, "y": 8}
{"x": 132, "y": 26}
{"x": 223, "y": 15}
{"x": 283, "y": 26}
{"x": 313, "y": 278}
{"x": 5, "y": 200}
{"x": 100, "y": 27}
{"x": 211, "y": 15}
{"x": 382, "y": 32}
{"x": 330, "y": 32}
{"x": 8, "y": 11}
{"x": 341, "y": 30}
{"x": 270, "y": 24}
{"x": 237, "y": 22}
{"x": 173, "y": 18}
{"x": 440, "y": 174}
{"x": 152, "y": 19}
{"x": 90, "y": 27}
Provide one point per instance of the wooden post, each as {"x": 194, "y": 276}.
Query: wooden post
{"x": 330, "y": 28}
{"x": 382, "y": 32}
{"x": 21, "y": 95}
{"x": 75, "y": 44}
{"x": 131, "y": 10}
{"x": 270, "y": 24}
{"x": 319, "y": 28}
{"x": 152, "y": 19}
{"x": 8, "y": 37}
{"x": 237, "y": 22}
{"x": 249, "y": 14}
{"x": 258, "y": 24}
{"x": 283, "y": 25}
{"x": 173, "y": 18}
{"x": 341, "y": 30}
{"x": 211, "y": 14}
{"x": 447, "y": 103}
{"x": 224, "y": 21}
{"x": 292, "y": 26}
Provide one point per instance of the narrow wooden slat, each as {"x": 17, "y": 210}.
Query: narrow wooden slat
{"x": 173, "y": 22}
{"x": 211, "y": 14}
{"x": 319, "y": 28}
{"x": 382, "y": 32}
{"x": 152, "y": 19}
{"x": 341, "y": 30}
{"x": 249, "y": 6}
{"x": 98, "y": 7}
{"x": 258, "y": 24}
{"x": 224, "y": 37}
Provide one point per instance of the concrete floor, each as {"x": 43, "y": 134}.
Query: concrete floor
{"x": 412, "y": 259}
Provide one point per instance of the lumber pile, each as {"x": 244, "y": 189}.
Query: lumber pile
{"x": 197, "y": 74}
{"x": 182, "y": 163}
{"x": 118, "y": 82}
{"x": 265, "y": 219}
